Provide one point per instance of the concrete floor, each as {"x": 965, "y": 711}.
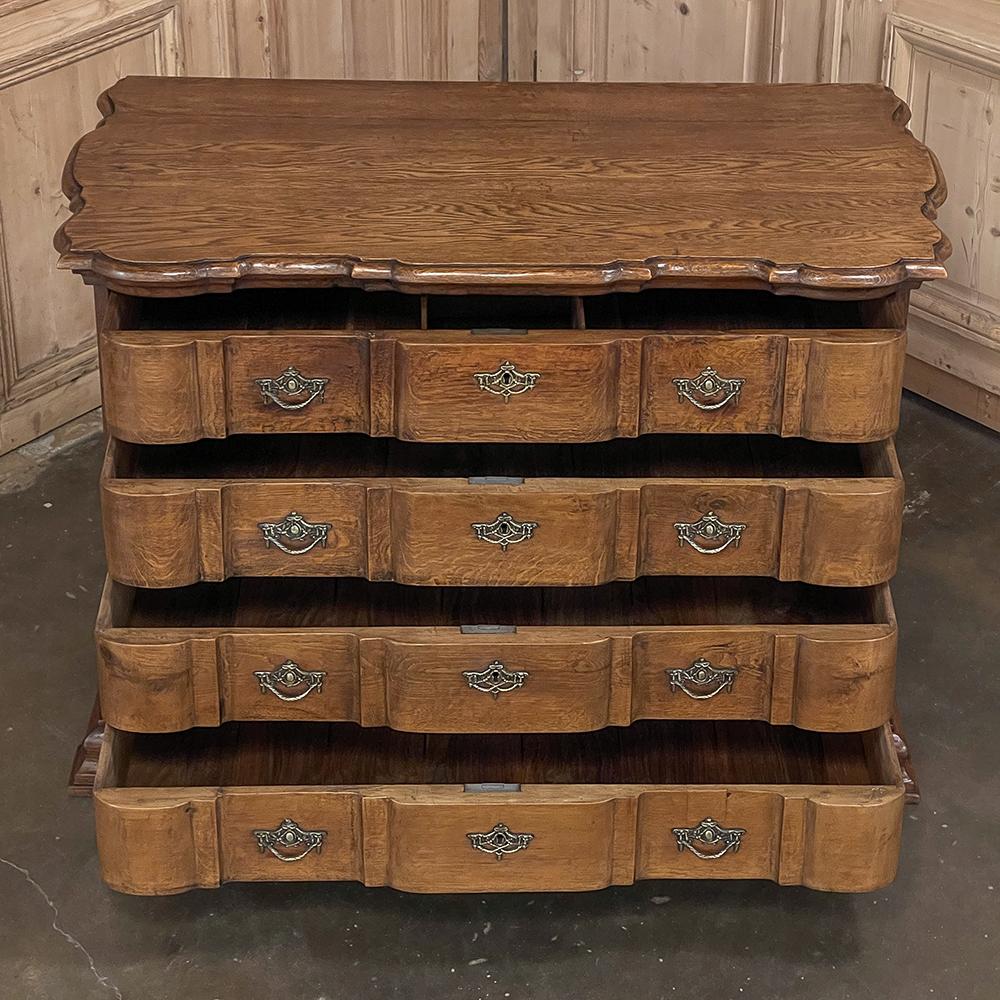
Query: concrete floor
{"x": 934, "y": 933}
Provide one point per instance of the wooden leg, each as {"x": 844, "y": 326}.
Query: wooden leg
{"x": 81, "y": 776}
{"x": 906, "y": 764}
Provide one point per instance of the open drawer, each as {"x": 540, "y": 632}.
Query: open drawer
{"x": 470, "y": 660}
{"x": 501, "y": 368}
{"x": 272, "y": 801}
{"x": 498, "y": 515}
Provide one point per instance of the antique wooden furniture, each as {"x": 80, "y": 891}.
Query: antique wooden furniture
{"x": 544, "y": 539}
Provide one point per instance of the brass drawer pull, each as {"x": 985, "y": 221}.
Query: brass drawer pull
{"x": 500, "y": 841}
{"x": 711, "y": 680}
{"x": 504, "y": 530}
{"x": 294, "y": 527}
{"x": 708, "y": 840}
{"x": 495, "y": 678}
{"x": 506, "y": 381}
{"x": 705, "y": 390}
{"x": 291, "y": 383}
{"x": 289, "y": 682}
{"x": 290, "y": 842}
{"x": 710, "y": 528}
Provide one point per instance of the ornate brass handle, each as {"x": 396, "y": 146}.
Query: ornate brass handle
{"x": 708, "y": 840}
{"x": 504, "y": 530}
{"x": 291, "y": 383}
{"x": 500, "y": 841}
{"x": 506, "y": 381}
{"x": 702, "y": 675}
{"x": 289, "y": 682}
{"x": 294, "y": 528}
{"x": 495, "y": 678}
{"x": 709, "y": 391}
{"x": 289, "y": 842}
{"x": 709, "y": 528}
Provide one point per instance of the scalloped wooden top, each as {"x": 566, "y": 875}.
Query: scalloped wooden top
{"x": 204, "y": 184}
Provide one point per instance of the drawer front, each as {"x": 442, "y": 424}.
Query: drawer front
{"x": 713, "y": 384}
{"x": 494, "y": 843}
{"x": 294, "y": 836}
{"x": 826, "y": 679}
{"x": 839, "y": 840}
{"x": 724, "y": 529}
{"x": 497, "y": 688}
{"x": 836, "y": 533}
{"x": 426, "y": 838}
{"x": 701, "y": 674}
{"x": 517, "y": 391}
{"x": 169, "y": 386}
{"x": 282, "y": 384}
{"x": 482, "y": 537}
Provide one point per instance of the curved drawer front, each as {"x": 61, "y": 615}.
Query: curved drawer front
{"x": 546, "y": 532}
{"x": 500, "y": 679}
{"x": 441, "y": 839}
{"x": 537, "y": 385}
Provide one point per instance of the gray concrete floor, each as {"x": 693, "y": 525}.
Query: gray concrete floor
{"x": 934, "y": 933}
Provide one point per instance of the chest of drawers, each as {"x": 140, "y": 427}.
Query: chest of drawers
{"x": 500, "y": 490}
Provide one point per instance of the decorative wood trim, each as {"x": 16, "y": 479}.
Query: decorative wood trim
{"x": 189, "y": 277}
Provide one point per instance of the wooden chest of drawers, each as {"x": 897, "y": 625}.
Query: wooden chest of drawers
{"x": 499, "y": 474}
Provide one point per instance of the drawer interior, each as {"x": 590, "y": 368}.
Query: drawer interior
{"x": 353, "y": 603}
{"x": 287, "y": 456}
{"x": 658, "y": 752}
{"x": 654, "y": 309}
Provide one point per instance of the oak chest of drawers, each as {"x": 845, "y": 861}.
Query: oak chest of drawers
{"x": 500, "y": 491}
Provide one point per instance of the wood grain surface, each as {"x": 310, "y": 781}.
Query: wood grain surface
{"x": 822, "y": 513}
{"x": 819, "y": 658}
{"x": 205, "y": 184}
{"x": 177, "y": 812}
{"x": 176, "y": 370}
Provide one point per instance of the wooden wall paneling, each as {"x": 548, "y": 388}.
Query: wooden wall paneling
{"x": 55, "y": 58}
{"x": 370, "y": 39}
{"x": 829, "y": 41}
{"x": 944, "y": 60}
{"x": 640, "y": 40}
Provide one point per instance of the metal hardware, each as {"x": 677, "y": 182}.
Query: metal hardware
{"x": 709, "y": 386}
{"x": 702, "y": 674}
{"x": 289, "y": 837}
{"x": 708, "y": 834}
{"x": 292, "y": 383}
{"x": 495, "y": 679}
{"x": 285, "y": 680}
{"x": 506, "y": 381}
{"x": 296, "y": 528}
{"x": 492, "y": 786}
{"x": 504, "y": 530}
{"x": 496, "y": 480}
{"x": 488, "y": 629}
{"x": 500, "y": 841}
{"x": 709, "y": 527}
